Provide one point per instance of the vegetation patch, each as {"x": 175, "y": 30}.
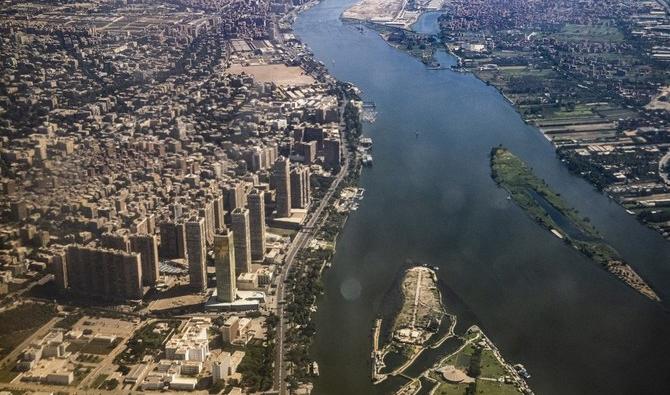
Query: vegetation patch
{"x": 17, "y": 324}
{"x": 257, "y": 367}
{"x": 548, "y": 209}
{"x": 146, "y": 341}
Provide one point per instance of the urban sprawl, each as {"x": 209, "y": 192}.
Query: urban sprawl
{"x": 168, "y": 169}
{"x": 174, "y": 174}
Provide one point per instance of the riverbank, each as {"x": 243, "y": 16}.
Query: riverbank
{"x": 586, "y": 126}
{"x": 607, "y": 128}
{"x": 536, "y": 198}
{"x": 303, "y": 279}
{"x": 431, "y": 198}
{"x": 476, "y": 367}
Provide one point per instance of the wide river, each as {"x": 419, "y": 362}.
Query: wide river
{"x": 431, "y": 199}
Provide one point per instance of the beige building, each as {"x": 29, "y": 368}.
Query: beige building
{"x": 224, "y": 258}
{"x": 242, "y": 240}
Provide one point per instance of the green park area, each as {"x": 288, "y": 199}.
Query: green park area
{"x": 20, "y": 322}
{"x": 529, "y": 192}
{"x": 256, "y": 366}
{"x": 484, "y": 372}
{"x": 597, "y": 32}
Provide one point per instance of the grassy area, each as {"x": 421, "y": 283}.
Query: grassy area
{"x": 579, "y": 111}
{"x": 547, "y": 208}
{"x": 490, "y": 367}
{"x": 17, "y": 324}
{"x": 451, "y": 389}
{"x": 80, "y": 373}
{"x": 7, "y": 373}
{"x": 601, "y": 32}
{"x": 69, "y": 321}
{"x": 462, "y": 358}
{"x": 519, "y": 180}
{"x": 485, "y": 387}
{"x": 481, "y": 386}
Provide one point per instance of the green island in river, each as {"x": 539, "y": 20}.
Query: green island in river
{"x": 474, "y": 366}
{"x": 548, "y": 209}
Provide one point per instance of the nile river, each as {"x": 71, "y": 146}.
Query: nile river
{"x": 430, "y": 198}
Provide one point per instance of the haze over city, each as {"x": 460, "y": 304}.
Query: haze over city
{"x": 334, "y": 197}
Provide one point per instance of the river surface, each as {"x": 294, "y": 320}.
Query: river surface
{"x": 431, "y": 199}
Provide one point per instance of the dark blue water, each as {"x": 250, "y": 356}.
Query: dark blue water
{"x": 577, "y": 328}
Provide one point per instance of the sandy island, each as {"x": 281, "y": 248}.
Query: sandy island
{"x": 395, "y": 13}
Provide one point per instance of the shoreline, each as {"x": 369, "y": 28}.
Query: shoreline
{"x": 421, "y": 336}
{"x": 473, "y": 337}
{"x": 376, "y": 26}
{"x": 514, "y": 176}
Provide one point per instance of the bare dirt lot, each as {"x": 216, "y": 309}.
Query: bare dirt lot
{"x": 280, "y": 74}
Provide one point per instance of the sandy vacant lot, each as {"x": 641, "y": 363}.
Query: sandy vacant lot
{"x": 390, "y": 12}
{"x": 280, "y": 74}
{"x": 379, "y": 10}
{"x": 105, "y": 326}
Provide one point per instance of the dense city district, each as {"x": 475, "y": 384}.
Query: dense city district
{"x": 169, "y": 170}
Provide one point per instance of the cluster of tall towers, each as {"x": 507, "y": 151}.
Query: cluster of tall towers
{"x": 235, "y": 247}
{"x": 232, "y": 223}
{"x": 292, "y": 185}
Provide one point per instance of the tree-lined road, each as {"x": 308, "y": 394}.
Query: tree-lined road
{"x": 301, "y": 238}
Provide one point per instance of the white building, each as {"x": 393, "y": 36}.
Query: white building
{"x": 221, "y": 367}
{"x": 183, "y": 383}
{"x": 192, "y": 344}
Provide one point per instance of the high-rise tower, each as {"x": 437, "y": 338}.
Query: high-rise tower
{"x": 256, "y": 202}
{"x": 196, "y": 251}
{"x": 224, "y": 258}
{"x": 240, "y": 226}
{"x": 282, "y": 178}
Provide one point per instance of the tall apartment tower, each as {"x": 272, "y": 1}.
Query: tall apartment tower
{"x": 332, "y": 154}
{"x": 256, "y": 202}
{"x": 207, "y": 212}
{"x": 59, "y": 270}
{"x": 147, "y": 247}
{"x": 224, "y": 258}
{"x": 197, "y": 252}
{"x": 240, "y": 226}
{"x": 300, "y": 194}
{"x": 173, "y": 240}
{"x": 104, "y": 273}
{"x": 234, "y": 196}
{"x": 282, "y": 178}
{"x": 219, "y": 213}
